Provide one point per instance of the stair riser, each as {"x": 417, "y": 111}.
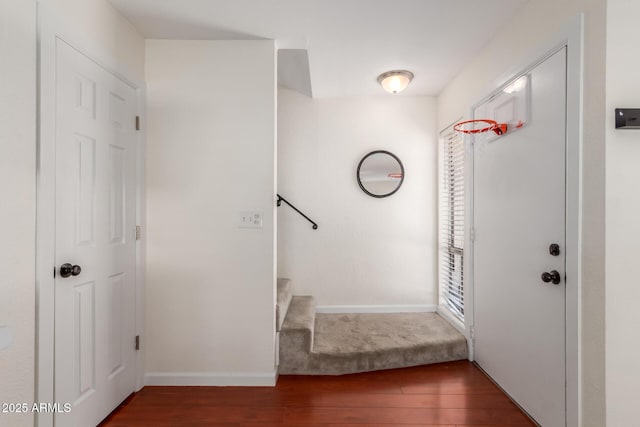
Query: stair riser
{"x": 298, "y": 345}
{"x": 283, "y": 301}
{"x": 319, "y": 364}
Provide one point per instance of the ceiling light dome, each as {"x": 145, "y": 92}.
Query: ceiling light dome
{"x": 395, "y": 81}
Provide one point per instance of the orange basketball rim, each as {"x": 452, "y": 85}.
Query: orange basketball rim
{"x": 491, "y": 125}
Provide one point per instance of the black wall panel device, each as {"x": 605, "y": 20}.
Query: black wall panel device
{"x": 627, "y": 118}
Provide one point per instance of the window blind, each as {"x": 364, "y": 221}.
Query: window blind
{"x": 451, "y": 233}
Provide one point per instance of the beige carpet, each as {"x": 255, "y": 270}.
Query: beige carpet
{"x": 350, "y": 343}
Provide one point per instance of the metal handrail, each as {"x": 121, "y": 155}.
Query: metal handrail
{"x": 282, "y": 199}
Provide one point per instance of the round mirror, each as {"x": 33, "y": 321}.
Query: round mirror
{"x": 380, "y": 173}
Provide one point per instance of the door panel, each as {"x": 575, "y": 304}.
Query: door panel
{"x": 84, "y": 318}
{"x": 117, "y": 157}
{"x": 116, "y": 288}
{"x": 85, "y": 180}
{"x": 519, "y": 210}
{"x": 95, "y": 229}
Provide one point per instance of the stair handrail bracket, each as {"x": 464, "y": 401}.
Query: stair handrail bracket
{"x": 282, "y": 199}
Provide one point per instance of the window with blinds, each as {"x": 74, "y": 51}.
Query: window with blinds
{"x": 452, "y": 222}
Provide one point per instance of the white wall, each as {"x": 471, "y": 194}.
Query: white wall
{"x": 366, "y": 251}
{"x": 623, "y": 210}
{"x": 210, "y": 155}
{"x": 101, "y": 31}
{"x": 17, "y": 213}
{"x": 530, "y": 29}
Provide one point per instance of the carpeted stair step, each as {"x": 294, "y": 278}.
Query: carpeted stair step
{"x": 296, "y": 335}
{"x": 336, "y": 344}
{"x": 284, "y": 296}
{"x": 351, "y": 343}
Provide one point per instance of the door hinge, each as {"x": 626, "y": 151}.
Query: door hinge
{"x": 137, "y": 342}
{"x": 138, "y": 232}
{"x": 137, "y": 122}
{"x": 472, "y": 234}
{"x": 472, "y": 332}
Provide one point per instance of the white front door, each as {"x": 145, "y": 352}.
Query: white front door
{"x": 519, "y": 211}
{"x": 95, "y": 230}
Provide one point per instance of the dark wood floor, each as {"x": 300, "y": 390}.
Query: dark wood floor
{"x": 446, "y": 395}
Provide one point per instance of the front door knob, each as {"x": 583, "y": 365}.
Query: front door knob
{"x": 67, "y": 270}
{"x": 553, "y": 276}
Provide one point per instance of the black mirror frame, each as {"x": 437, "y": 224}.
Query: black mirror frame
{"x": 380, "y": 196}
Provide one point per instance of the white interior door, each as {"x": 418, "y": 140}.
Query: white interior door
{"x": 519, "y": 211}
{"x": 95, "y": 230}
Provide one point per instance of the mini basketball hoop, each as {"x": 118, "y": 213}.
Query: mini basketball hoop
{"x": 469, "y": 126}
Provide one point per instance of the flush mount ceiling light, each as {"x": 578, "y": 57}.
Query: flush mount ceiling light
{"x": 395, "y": 81}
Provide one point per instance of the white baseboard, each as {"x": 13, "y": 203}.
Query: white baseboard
{"x": 248, "y": 379}
{"x": 415, "y": 308}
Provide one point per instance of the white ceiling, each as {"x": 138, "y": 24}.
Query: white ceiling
{"x": 349, "y": 42}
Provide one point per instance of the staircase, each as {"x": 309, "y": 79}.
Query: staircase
{"x": 313, "y": 343}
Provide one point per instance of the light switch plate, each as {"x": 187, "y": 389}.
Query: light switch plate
{"x": 250, "y": 219}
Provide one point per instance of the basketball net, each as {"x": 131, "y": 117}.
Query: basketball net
{"x": 480, "y": 131}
